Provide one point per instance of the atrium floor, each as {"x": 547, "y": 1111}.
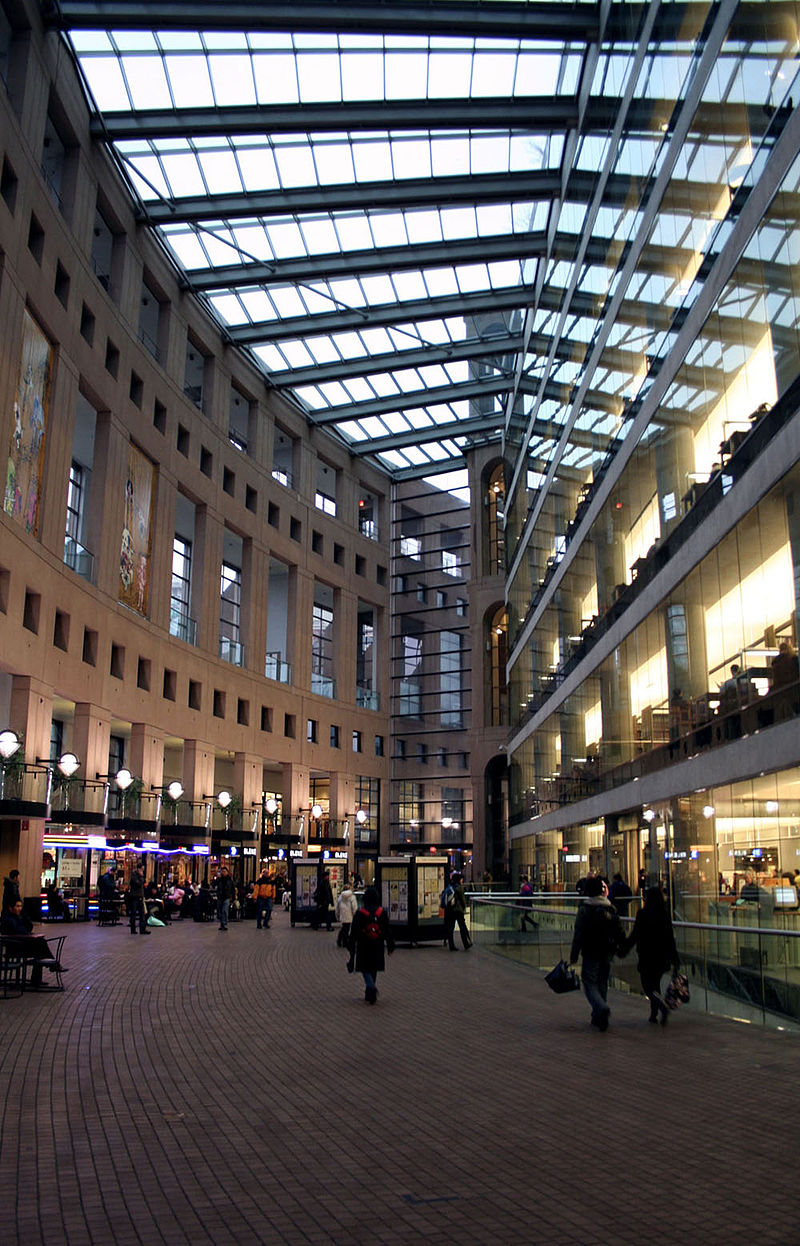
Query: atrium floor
{"x": 210, "y": 1091}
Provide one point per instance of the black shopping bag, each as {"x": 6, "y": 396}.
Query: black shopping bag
{"x": 562, "y": 979}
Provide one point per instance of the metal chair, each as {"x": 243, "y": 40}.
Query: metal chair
{"x": 53, "y": 962}
{"x": 12, "y": 967}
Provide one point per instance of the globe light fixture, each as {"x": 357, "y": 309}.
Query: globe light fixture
{"x": 224, "y": 798}
{"x": 67, "y": 764}
{"x": 123, "y": 779}
{"x": 316, "y": 812}
{"x": 361, "y": 816}
{"x": 271, "y": 806}
{"x": 9, "y": 744}
{"x": 175, "y": 790}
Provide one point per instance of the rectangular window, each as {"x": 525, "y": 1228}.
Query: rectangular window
{"x": 356, "y": 741}
{"x": 450, "y": 679}
{"x": 75, "y": 500}
{"x": 451, "y": 563}
{"x": 180, "y": 624}
{"x": 321, "y": 641}
{"x": 409, "y": 810}
{"x": 324, "y": 502}
{"x": 230, "y": 613}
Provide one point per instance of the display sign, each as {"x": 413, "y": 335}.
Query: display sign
{"x": 71, "y": 868}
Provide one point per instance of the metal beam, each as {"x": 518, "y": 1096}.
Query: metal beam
{"x": 396, "y": 360}
{"x": 551, "y": 22}
{"x": 481, "y": 250}
{"x": 434, "y": 432}
{"x": 537, "y": 115}
{"x": 529, "y": 114}
{"x": 357, "y": 196}
{"x": 692, "y": 197}
{"x": 515, "y": 298}
{"x": 483, "y": 388}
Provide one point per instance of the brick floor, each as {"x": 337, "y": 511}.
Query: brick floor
{"x": 193, "y": 1089}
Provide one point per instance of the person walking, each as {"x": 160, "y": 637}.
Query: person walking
{"x": 264, "y": 894}
{"x": 620, "y": 895}
{"x": 346, "y": 906}
{"x": 526, "y": 904}
{"x": 455, "y": 914}
{"x": 598, "y": 937}
{"x": 654, "y": 940}
{"x": 369, "y": 934}
{"x": 136, "y": 901}
{"x": 323, "y": 898}
{"x": 225, "y": 893}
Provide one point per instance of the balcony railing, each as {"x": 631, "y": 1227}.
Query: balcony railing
{"x": 183, "y": 627}
{"x": 78, "y": 559}
{"x": 323, "y": 686}
{"x": 275, "y": 668}
{"x": 367, "y": 699}
{"x": 231, "y": 651}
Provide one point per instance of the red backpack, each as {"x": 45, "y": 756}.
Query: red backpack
{"x": 372, "y": 926}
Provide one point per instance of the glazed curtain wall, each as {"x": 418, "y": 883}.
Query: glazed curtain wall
{"x": 671, "y": 673}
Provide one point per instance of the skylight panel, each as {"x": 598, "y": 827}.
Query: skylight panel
{"x": 319, "y": 78}
{"x": 433, "y": 375}
{"x": 221, "y": 172}
{"x": 423, "y": 226}
{"x": 220, "y": 248}
{"x": 287, "y": 302}
{"x": 411, "y": 157}
{"x": 397, "y": 421}
{"x": 388, "y": 229}
{"x": 455, "y": 372}
{"x": 503, "y": 273}
{"x": 406, "y": 75}
{"x": 148, "y": 177}
{"x": 317, "y": 299}
{"x": 347, "y": 291}
{"x": 188, "y": 250}
{"x": 285, "y": 239}
{"x": 459, "y": 222}
{"x": 311, "y": 396}
{"x": 271, "y": 357}
{"x": 377, "y": 289}
{"x": 373, "y": 342}
{"x": 258, "y": 306}
{"x": 354, "y": 232}
{"x": 334, "y": 163}
{"x": 297, "y": 353}
{"x": 276, "y": 79}
{"x": 319, "y": 235}
{"x": 440, "y": 281}
{"x": 373, "y": 161}
{"x": 357, "y": 389}
{"x": 228, "y": 308}
{"x": 392, "y": 458}
{"x": 537, "y": 73}
{"x": 351, "y": 345}
{"x": 362, "y": 76}
{"x": 384, "y": 384}
{"x": 409, "y": 286}
{"x": 449, "y": 75}
{"x": 450, "y": 156}
{"x": 472, "y": 277}
{"x": 147, "y": 82}
{"x": 251, "y": 242}
{"x": 190, "y": 81}
{"x": 232, "y": 78}
{"x": 90, "y": 41}
{"x": 494, "y": 73}
{"x": 490, "y": 154}
{"x": 295, "y": 166}
{"x": 183, "y": 175}
{"x": 106, "y": 82}
{"x": 135, "y": 41}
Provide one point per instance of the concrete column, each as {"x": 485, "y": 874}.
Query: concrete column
{"x": 298, "y": 625}
{"x": 31, "y": 713}
{"x": 255, "y": 580}
{"x": 91, "y": 730}
{"x": 58, "y": 453}
{"x": 209, "y": 534}
{"x": 198, "y": 769}
{"x": 295, "y": 793}
{"x": 248, "y": 771}
{"x": 147, "y": 754}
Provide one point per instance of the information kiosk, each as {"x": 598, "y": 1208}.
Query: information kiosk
{"x": 306, "y": 874}
{"x": 409, "y": 889}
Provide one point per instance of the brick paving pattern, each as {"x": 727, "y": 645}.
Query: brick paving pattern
{"x": 194, "y": 1089}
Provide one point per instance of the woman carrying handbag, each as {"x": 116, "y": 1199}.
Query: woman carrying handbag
{"x": 654, "y": 940}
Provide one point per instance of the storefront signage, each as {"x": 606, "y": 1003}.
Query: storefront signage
{"x": 201, "y": 850}
{"x": 249, "y": 852}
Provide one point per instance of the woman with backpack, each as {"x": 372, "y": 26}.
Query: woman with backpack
{"x": 369, "y": 933}
{"x": 654, "y": 940}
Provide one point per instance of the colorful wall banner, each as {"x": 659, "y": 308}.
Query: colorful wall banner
{"x": 31, "y": 406}
{"x": 134, "y": 559}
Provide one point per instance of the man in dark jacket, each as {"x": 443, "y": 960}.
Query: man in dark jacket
{"x": 11, "y": 889}
{"x": 136, "y": 901}
{"x": 34, "y": 948}
{"x": 323, "y": 898}
{"x": 598, "y": 937}
{"x": 225, "y": 893}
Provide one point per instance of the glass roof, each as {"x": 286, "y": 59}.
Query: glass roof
{"x": 429, "y": 224}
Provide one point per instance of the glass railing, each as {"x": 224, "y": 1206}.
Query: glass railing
{"x": 323, "y": 685}
{"x": 78, "y": 559}
{"x": 749, "y": 972}
{"x": 183, "y": 627}
{"x": 276, "y": 668}
{"x": 231, "y": 651}
{"x": 367, "y": 699}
